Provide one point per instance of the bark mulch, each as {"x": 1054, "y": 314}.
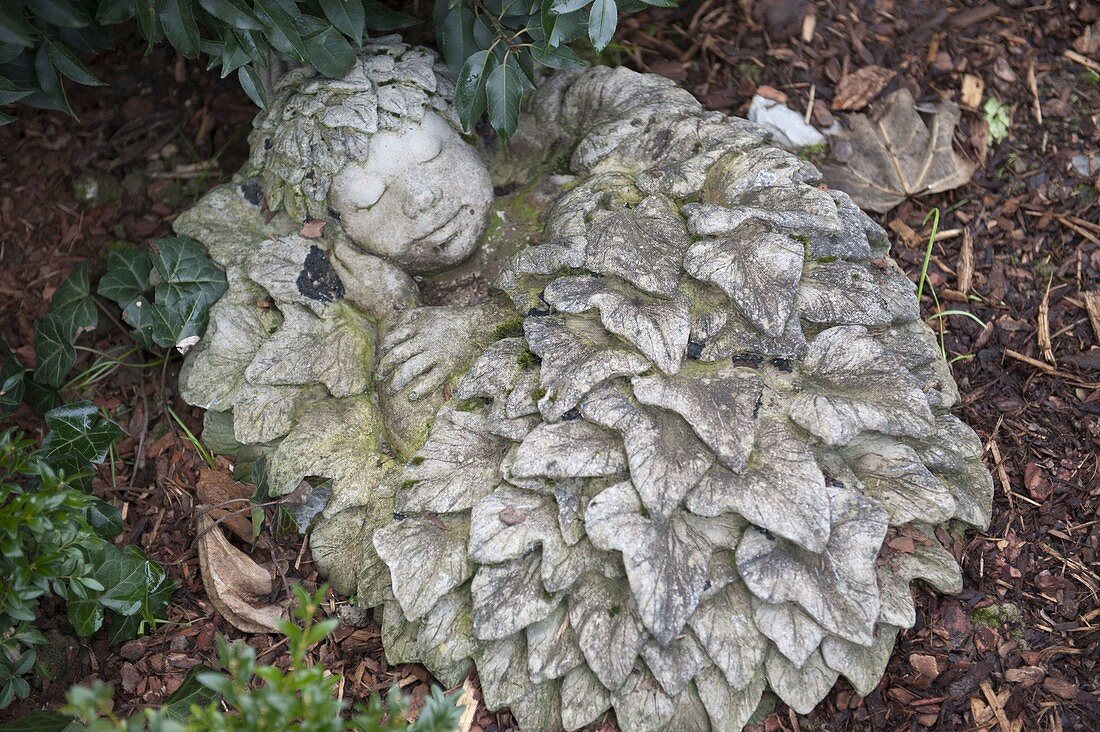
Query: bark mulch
{"x": 1016, "y": 650}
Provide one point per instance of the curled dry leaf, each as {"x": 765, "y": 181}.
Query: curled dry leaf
{"x": 897, "y": 152}
{"x": 227, "y": 502}
{"x": 237, "y": 586}
{"x": 856, "y": 90}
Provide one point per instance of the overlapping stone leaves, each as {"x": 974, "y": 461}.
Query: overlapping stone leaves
{"x": 674, "y": 491}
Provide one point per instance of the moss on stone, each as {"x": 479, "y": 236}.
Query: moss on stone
{"x": 996, "y": 615}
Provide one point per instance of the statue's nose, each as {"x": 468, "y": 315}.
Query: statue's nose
{"x": 422, "y": 199}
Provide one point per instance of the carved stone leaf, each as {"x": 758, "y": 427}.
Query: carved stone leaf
{"x": 793, "y": 632}
{"x": 894, "y": 474}
{"x": 954, "y": 454}
{"x": 294, "y": 270}
{"x": 583, "y": 698}
{"x": 738, "y": 336}
{"x": 782, "y": 489}
{"x": 690, "y": 714}
{"x": 454, "y": 469}
{"x": 860, "y": 239}
{"x": 657, "y": 327}
{"x": 675, "y": 664}
{"x": 427, "y": 559}
{"x": 564, "y": 565}
{"x": 641, "y": 704}
{"x": 797, "y": 210}
{"x": 718, "y": 403}
{"x": 502, "y": 671}
{"x": 573, "y": 449}
{"x": 446, "y": 636}
{"x": 509, "y": 522}
{"x": 642, "y": 245}
{"x": 758, "y": 269}
{"x": 552, "y": 649}
{"x": 608, "y": 629}
{"x": 665, "y": 457}
{"x": 495, "y": 371}
{"x": 760, "y": 167}
{"x": 723, "y": 624}
{"x": 344, "y": 552}
{"x": 335, "y": 439}
{"x": 929, "y": 562}
{"x": 508, "y": 597}
{"x": 852, "y": 385}
{"x": 837, "y": 587}
{"x": 898, "y": 152}
{"x": 863, "y": 666}
{"x": 854, "y": 293}
{"x": 576, "y": 356}
{"x": 399, "y": 634}
{"x": 729, "y": 708}
{"x": 213, "y": 371}
{"x": 540, "y": 707}
{"x": 523, "y": 400}
{"x": 666, "y": 561}
{"x": 336, "y": 350}
{"x": 265, "y": 413}
{"x": 800, "y": 688}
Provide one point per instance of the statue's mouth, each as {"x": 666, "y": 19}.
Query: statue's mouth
{"x": 441, "y": 235}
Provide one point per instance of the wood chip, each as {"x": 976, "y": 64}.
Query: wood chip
{"x": 973, "y": 89}
{"x": 1083, "y": 60}
{"x": 1046, "y": 347}
{"x": 1092, "y": 307}
{"x": 856, "y": 90}
{"x": 1036, "y": 108}
{"x": 996, "y": 703}
{"x": 964, "y": 267}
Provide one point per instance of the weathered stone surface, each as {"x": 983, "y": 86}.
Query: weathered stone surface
{"x": 657, "y": 473}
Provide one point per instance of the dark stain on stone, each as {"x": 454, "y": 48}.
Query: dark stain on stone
{"x": 746, "y": 359}
{"x": 252, "y": 191}
{"x": 318, "y": 280}
{"x": 572, "y": 414}
{"x": 783, "y": 364}
{"x": 694, "y": 350}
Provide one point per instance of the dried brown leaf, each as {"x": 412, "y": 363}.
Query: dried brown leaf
{"x": 899, "y": 152}
{"x": 237, "y": 586}
{"x": 312, "y": 229}
{"x": 856, "y": 90}
{"x": 227, "y": 501}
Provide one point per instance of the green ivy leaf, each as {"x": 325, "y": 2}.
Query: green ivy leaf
{"x": 54, "y": 351}
{"x": 85, "y": 615}
{"x": 78, "y": 431}
{"x": 69, "y": 65}
{"x": 12, "y": 374}
{"x": 470, "y": 99}
{"x": 601, "y": 23}
{"x": 105, "y": 519}
{"x": 141, "y": 316}
{"x": 233, "y": 13}
{"x": 127, "y": 276}
{"x": 178, "y": 20}
{"x": 191, "y": 692}
{"x": 504, "y": 90}
{"x": 186, "y": 273}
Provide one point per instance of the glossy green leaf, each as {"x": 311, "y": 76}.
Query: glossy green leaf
{"x": 12, "y": 374}
{"x": 601, "y": 23}
{"x": 378, "y": 17}
{"x": 187, "y": 274}
{"x": 562, "y": 57}
{"x": 61, "y": 13}
{"x": 457, "y": 39}
{"x": 253, "y": 87}
{"x": 347, "y": 15}
{"x": 567, "y": 28}
{"x": 105, "y": 519}
{"x": 329, "y": 52}
{"x": 127, "y": 276}
{"x": 78, "y": 431}
{"x": 9, "y": 92}
{"x": 49, "y": 81}
{"x": 177, "y": 17}
{"x": 39, "y": 721}
{"x": 178, "y": 704}
{"x": 234, "y": 13}
{"x": 284, "y": 35}
{"x": 85, "y": 615}
{"x": 111, "y": 12}
{"x": 504, "y": 91}
{"x": 70, "y": 66}
{"x": 470, "y": 99}
{"x": 54, "y": 351}
{"x": 561, "y": 7}
{"x": 14, "y": 28}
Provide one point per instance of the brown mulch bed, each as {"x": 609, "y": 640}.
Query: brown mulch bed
{"x": 1033, "y": 227}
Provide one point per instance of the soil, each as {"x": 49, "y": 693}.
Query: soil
{"x": 1018, "y": 649}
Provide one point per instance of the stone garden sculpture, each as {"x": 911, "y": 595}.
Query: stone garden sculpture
{"x": 659, "y": 469}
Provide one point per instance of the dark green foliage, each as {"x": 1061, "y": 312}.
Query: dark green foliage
{"x": 55, "y": 540}
{"x": 490, "y": 46}
{"x": 242, "y": 696}
{"x": 40, "y": 39}
{"x": 166, "y": 293}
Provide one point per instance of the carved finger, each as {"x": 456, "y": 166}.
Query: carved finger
{"x": 428, "y": 383}
{"x": 409, "y": 370}
{"x": 400, "y": 353}
{"x": 401, "y": 331}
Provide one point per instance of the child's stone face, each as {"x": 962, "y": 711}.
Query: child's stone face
{"x": 422, "y": 197}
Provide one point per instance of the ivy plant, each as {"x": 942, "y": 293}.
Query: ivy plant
{"x": 55, "y": 539}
